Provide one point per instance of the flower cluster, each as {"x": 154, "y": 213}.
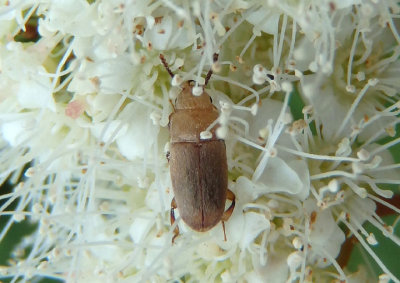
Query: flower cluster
{"x": 308, "y": 96}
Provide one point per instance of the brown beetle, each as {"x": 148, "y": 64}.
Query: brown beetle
{"x": 198, "y": 167}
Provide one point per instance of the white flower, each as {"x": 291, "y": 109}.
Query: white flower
{"x": 84, "y": 108}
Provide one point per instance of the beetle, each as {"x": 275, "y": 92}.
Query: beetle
{"x": 198, "y": 167}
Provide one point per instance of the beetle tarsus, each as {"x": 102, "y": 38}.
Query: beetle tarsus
{"x": 231, "y": 196}
{"x": 172, "y": 218}
{"x": 223, "y": 228}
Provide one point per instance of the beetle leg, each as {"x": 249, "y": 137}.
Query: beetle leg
{"x": 215, "y": 59}
{"x": 168, "y": 155}
{"x": 231, "y": 196}
{"x": 176, "y": 230}
{"x": 173, "y": 106}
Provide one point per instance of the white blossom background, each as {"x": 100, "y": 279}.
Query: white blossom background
{"x": 308, "y": 99}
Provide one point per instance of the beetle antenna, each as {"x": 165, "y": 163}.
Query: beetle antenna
{"x": 215, "y": 59}
{"x": 162, "y": 58}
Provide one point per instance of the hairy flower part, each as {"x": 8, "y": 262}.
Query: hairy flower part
{"x": 84, "y": 109}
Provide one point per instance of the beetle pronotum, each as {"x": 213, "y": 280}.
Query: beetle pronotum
{"x": 198, "y": 167}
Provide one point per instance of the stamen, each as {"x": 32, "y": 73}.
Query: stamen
{"x": 233, "y": 82}
{"x": 369, "y": 250}
{"x": 351, "y": 56}
{"x": 276, "y": 132}
{"x": 249, "y": 42}
{"x": 350, "y": 112}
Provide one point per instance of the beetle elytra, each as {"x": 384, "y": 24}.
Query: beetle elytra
{"x": 198, "y": 167}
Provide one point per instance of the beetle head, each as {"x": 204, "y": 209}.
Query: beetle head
{"x": 186, "y": 100}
